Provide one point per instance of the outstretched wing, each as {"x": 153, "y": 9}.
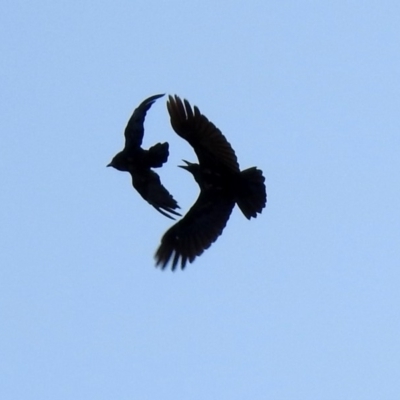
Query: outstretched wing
{"x": 134, "y": 129}
{"x": 210, "y": 145}
{"x": 195, "y": 233}
{"x": 148, "y": 184}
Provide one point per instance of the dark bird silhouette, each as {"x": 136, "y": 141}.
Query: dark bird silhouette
{"x": 138, "y": 162}
{"x": 222, "y": 185}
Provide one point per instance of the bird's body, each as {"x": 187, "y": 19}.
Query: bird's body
{"x": 222, "y": 185}
{"x": 138, "y": 162}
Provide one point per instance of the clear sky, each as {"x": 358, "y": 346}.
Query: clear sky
{"x": 301, "y": 303}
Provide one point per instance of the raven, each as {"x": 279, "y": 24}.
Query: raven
{"x": 222, "y": 185}
{"x": 138, "y": 162}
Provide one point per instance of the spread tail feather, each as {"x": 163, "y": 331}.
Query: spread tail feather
{"x": 252, "y": 195}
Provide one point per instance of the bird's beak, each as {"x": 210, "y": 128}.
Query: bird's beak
{"x": 109, "y": 165}
{"x": 185, "y": 166}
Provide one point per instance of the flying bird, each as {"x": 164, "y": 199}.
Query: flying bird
{"x": 222, "y": 185}
{"x": 139, "y": 162}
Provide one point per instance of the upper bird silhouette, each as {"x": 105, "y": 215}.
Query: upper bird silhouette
{"x": 222, "y": 185}
{"x": 138, "y": 162}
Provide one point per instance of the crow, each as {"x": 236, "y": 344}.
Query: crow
{"x": 222, "y": 185}
{"x": 138, "y": 162}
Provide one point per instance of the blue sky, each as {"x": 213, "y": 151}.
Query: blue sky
{"x": 301, "y": 303}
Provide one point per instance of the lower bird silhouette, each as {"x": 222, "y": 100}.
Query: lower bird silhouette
{"x": 139, "y": 162}
{"x": 222, "y": 185}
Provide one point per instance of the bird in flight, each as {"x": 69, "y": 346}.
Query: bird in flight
{"x": 139, "y": 162}
{"x": 222, "y": 185}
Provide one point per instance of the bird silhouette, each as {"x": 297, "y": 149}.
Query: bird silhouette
{"x": 139, "y": 162}
{"x": 222, "y": 185}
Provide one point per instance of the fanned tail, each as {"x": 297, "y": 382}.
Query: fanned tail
{"x": 252, "y": 196}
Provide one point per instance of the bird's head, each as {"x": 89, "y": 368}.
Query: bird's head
{"x": 119, "y": 162}
{"x": 191, "y": 167}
